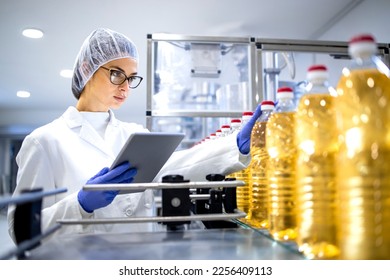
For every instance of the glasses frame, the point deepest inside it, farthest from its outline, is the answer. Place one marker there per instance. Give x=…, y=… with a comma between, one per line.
x=126, y=77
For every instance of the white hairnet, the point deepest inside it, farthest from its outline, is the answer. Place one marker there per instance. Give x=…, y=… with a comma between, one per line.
x=101, y=46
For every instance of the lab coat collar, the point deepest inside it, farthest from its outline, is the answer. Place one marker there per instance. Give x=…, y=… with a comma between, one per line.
x=74, y=119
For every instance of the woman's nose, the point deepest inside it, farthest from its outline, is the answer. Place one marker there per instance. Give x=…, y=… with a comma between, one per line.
x=124, y=87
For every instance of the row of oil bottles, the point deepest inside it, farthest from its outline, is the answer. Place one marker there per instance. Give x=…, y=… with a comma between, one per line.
x=320, y=169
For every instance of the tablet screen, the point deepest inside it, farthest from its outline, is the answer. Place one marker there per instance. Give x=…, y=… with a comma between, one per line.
x=148, y=152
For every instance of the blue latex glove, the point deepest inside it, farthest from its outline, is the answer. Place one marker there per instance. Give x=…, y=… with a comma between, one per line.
x=244, y=136
x=92, y=200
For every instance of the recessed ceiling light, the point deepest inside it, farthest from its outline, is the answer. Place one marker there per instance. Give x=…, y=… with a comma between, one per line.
x=32, y=33
x=66, y=73
x=23, y=94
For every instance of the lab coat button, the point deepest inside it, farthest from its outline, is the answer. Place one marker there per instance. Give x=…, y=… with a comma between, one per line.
x=128, y=212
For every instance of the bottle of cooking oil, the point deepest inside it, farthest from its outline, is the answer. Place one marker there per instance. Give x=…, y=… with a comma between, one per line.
x=281, y=150
x=316, y=142
x=363, y=160
x=258, y=212
x=244, y=193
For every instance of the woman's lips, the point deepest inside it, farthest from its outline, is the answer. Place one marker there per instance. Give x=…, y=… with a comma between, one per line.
x=120, y=98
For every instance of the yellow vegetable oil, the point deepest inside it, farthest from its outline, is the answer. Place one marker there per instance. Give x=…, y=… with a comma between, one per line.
x=316, y=142
x=258, y=212
x=280, y=146
x=363, y=161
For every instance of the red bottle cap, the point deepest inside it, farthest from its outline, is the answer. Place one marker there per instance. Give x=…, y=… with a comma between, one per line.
x=285, y=89
x=268, y=102
x=317, y=67
x=362, y=38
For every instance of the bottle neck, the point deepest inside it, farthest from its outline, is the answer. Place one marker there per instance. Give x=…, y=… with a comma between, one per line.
x=317, y=86
x=234, y=128
x=245, y=120
x=265, y=114
x=364, y=62
x=285, y=105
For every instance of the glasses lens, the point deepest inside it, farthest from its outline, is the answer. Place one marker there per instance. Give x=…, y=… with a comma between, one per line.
x=117, y=77
x=134, y=81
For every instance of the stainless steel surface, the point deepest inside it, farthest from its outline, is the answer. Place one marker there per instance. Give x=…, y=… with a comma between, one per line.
x=213, y=244
x=315, y=46
x=28, y=244
x=203, y=217
x=156, y=186
x=199, y=39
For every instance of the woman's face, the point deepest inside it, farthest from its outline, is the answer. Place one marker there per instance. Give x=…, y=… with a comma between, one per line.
x=100, y=94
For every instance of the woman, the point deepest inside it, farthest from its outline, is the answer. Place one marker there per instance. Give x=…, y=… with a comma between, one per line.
x=70, y=151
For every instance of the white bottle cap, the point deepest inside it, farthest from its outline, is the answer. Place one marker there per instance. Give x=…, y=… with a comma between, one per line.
x=285, y=93
x=267, y=105
x=246, y=115
x=235, y=123
x=317, y=73
x=225, y=128
x=363, y=46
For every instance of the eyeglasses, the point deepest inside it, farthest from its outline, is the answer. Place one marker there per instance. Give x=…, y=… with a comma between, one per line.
x=117, y=77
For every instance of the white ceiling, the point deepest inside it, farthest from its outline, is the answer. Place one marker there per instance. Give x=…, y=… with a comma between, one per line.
x=34, y=65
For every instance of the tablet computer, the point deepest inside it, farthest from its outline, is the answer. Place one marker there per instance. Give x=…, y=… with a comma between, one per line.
x=148, y=152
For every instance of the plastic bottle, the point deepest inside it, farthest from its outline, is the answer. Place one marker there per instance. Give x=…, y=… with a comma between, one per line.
x=281, y=149
x=244, y=193
x=258, y=212
x=363, y=160
x=225, y=129
x=235, y=125
x=316, y=142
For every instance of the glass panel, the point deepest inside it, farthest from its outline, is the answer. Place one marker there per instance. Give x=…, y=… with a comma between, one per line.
x=201, y=77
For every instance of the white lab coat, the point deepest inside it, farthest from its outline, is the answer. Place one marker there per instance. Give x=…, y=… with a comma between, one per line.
x=68, y=151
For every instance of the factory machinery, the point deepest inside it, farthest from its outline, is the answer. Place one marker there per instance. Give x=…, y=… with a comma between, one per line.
x=198, y=220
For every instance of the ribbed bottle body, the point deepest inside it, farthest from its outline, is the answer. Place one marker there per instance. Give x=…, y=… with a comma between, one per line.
x=280, y=146
x=316, y=142
x=258, y=214
x=363, y=164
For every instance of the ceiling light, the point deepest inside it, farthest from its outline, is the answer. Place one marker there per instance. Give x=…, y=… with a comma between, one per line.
x=23, y=94
x=32, y=33
x=66, y=73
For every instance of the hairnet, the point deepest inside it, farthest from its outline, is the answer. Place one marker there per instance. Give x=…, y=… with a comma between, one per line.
x=101, y=46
